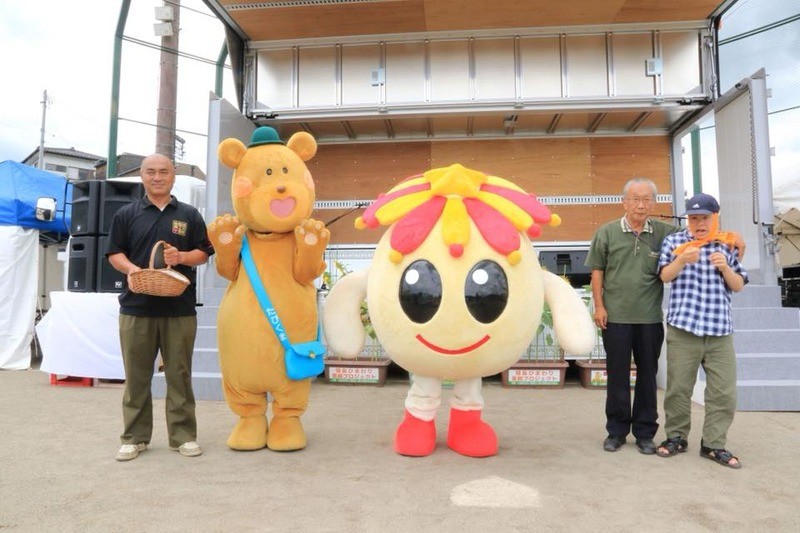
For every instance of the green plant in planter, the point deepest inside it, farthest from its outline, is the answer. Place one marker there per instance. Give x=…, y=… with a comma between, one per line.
x=544, y=346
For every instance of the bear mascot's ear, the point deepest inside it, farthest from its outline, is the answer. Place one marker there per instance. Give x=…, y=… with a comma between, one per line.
x=303, y=144
x=230, y=152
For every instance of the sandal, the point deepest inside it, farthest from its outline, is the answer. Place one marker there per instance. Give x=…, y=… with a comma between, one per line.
x=721, y=456
x=672, y=446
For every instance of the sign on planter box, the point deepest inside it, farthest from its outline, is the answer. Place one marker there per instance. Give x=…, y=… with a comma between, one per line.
x=599, y=378
x=350, y=374
x=530, y=377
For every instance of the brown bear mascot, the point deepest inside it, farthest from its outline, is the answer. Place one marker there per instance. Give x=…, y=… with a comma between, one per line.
x=273, y=197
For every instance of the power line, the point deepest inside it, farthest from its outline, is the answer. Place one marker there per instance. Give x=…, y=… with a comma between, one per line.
x=712, y=126
x=157, y=126
x=190, y=9
x=760, y=29
x=171, y=51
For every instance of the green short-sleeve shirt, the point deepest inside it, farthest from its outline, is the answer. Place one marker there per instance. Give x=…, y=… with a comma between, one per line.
x=632, y=290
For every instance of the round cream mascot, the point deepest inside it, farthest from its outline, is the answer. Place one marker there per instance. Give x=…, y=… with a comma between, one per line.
x=455, y=291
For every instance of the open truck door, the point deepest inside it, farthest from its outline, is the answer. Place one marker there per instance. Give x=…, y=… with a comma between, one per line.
x=744, y=172
x=224, y=121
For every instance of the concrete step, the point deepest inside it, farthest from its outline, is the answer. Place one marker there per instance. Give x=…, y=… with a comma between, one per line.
x=767, y=366
x=757, y=296
x=207, y=315
x=213, y=295
x=768, y=395
x=206, y=337
x=205, y=360
x=765, y=318
x=206, y=386
x=766, y=340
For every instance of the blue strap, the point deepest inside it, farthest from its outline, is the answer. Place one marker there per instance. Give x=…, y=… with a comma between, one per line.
x=263, y=297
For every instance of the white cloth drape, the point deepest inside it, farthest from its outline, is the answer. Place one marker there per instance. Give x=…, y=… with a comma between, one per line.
x=19, y=268
x=79, y=335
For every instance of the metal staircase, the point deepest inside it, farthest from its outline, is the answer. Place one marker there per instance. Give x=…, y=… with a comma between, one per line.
x=767, y=341
x=206, y=376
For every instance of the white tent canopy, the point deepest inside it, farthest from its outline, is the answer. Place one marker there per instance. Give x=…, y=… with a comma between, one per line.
x=786, y=200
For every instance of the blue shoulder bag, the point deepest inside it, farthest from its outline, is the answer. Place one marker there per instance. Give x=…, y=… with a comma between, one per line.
x=303, y=360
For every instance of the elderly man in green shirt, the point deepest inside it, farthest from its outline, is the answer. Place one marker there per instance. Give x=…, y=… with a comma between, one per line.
x=627, y=295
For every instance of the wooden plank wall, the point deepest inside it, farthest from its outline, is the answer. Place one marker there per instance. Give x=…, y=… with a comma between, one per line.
x=546, y=167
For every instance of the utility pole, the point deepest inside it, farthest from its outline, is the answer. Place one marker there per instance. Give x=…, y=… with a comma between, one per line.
x=168, y=88
x=41, y=138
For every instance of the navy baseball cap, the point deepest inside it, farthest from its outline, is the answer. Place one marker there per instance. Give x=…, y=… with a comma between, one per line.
x=702, y=204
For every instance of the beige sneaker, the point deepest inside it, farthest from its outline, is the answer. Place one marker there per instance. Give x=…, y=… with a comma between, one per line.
x=188, y=449
x=130, y=451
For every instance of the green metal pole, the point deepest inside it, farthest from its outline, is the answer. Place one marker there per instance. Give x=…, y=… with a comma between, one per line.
x=223, y=54
x=697, y=171
x=111, y=165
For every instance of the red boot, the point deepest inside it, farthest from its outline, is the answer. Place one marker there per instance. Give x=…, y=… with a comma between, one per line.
x=415, y=437
x=469, y=435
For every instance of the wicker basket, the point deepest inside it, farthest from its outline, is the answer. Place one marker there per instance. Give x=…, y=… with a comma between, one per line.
x=158, y=281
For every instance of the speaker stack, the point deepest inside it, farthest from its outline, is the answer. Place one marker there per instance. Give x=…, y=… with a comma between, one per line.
x=94, y=204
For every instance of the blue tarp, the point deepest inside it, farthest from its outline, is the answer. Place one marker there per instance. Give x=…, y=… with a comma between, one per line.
x=21, y=186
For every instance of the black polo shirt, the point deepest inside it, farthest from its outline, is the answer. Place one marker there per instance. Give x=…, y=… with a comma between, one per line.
x=136, y=228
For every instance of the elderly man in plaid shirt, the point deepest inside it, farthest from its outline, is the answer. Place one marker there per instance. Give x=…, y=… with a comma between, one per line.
x=704, y=272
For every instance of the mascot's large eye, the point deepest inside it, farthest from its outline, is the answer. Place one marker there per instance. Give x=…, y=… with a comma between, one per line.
x=486, y=291
x=420, y=291
x=269, y=172
x=285, y=170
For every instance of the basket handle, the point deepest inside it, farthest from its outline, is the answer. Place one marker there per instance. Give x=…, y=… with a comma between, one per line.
x=158, y=248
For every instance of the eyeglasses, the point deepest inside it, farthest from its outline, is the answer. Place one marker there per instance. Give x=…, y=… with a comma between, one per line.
x=646, y=200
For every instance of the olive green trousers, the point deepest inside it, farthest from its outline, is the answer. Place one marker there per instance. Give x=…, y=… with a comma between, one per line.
x=141, y=338
x=685, y=354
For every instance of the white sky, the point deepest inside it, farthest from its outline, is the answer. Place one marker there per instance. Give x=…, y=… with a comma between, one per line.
x=66, y=47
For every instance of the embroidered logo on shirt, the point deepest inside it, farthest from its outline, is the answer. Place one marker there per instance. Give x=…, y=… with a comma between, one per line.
x=179, y=227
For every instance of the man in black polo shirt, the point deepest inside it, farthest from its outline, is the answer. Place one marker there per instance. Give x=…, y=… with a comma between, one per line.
x=148, y=324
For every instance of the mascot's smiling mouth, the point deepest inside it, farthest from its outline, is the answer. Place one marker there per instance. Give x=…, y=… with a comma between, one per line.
x=282, y=208
x=458, y=351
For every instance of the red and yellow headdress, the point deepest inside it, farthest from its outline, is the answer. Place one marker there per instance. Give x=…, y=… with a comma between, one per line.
x=456, y=194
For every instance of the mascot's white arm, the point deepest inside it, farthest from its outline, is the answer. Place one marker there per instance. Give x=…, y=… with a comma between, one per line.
x=341, y=316
x=572, y=323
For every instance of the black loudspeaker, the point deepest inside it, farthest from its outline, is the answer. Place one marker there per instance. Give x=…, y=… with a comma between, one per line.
x=113, y=196
x=109, y=279
x=85, y=207
x=569, y=264
x=82, y=264
x=562, y=263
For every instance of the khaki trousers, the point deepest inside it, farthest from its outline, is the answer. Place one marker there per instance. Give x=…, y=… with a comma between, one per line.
x=141, y=338
x=685, y=354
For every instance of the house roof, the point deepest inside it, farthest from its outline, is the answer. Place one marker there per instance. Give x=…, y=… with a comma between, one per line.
x=66, y=152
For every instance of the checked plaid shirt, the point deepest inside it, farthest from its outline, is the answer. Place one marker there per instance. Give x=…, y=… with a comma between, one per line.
x=699, y=300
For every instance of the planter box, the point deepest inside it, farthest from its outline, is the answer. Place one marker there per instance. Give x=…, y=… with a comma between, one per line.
x=593, y=373
x=356, y=371
x=540, y=374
